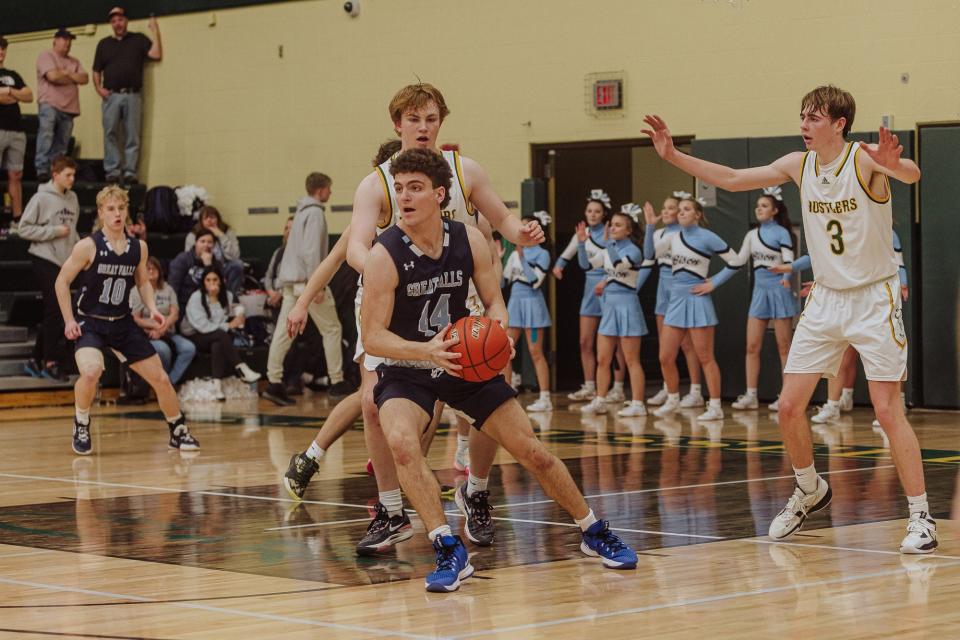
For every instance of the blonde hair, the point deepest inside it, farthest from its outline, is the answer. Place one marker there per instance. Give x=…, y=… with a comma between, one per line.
x=416, y=96
x=112, y=192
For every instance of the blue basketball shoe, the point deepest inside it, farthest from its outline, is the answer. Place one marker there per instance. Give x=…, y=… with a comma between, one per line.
x=599, y=541
x=453, y=565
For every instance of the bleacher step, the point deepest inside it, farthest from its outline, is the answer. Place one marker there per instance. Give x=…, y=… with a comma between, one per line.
x=13, y=366
x=12, y=334
x=26, y=383
x=22, y=349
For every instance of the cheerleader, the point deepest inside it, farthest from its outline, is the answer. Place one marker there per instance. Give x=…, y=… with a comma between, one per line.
x=525, y=271
x=621, y=322
x=691, y=309
x=668, y=214
x=595, y=215
x=769, y=245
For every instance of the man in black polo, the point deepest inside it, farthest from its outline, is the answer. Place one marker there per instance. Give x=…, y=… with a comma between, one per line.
x=118, y=78
x=13, y=141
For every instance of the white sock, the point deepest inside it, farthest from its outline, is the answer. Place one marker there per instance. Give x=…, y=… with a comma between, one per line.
x=918, y=504
x=475, y=484
x=590, y=385
x=752, y=392
x=695, y=390
x=715, y=402
x=442, y=530
x=846, y=393
x=618, y=386
x=806, y=479
x=315, y=452
x=83, y=415
x=673, y=397
x=833, y=403
x=545, y=395
x=587, y=521
x=665, y=387
x=463, y=442
x=636, y=403
x=392, y=501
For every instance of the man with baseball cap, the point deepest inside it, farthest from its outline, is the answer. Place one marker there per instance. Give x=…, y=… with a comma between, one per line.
x=58, y=77
x=118, y=78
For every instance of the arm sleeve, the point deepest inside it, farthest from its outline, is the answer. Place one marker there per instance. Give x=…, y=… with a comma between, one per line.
x=230, y=245
x=30, y=227
x=269, y=277
x=743, y=256
x=310, y=246
x=648, y=246
x=645, y=270
x=45, y=63
x=582, y=258
x=535, y=267
x=801, y=264
x=98, y=58
x=728, y=255
x=568, y=254
x=614, y=254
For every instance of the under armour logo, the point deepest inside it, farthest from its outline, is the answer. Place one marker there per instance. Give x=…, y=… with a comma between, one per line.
x=408, y=265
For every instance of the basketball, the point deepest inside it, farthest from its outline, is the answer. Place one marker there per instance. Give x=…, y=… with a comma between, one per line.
x=483, y=347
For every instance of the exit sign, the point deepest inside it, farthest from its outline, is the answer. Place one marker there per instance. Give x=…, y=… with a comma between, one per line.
x=607, y=95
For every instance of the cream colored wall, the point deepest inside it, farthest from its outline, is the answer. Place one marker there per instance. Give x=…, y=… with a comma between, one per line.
x=225, y=111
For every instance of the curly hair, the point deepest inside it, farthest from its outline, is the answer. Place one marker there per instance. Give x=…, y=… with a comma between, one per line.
x=429, y=163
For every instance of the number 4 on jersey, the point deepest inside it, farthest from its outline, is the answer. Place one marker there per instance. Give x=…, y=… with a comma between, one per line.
x=438, y=319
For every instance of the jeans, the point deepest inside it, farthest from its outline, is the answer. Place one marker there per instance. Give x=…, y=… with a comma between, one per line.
x=122, y=108
x=175, y=366
x=53, y=136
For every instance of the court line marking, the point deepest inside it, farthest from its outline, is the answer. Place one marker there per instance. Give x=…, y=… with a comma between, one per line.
x=318, y=524
x=204, y=492
x=688, y=602
x=223, y=610
x=4, y=556
x=692, y=486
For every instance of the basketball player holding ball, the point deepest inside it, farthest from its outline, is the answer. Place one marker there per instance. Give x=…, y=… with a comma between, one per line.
x=426, y=262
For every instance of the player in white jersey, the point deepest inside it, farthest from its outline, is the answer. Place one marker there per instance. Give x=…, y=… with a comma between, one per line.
x=417, y=112
x=845, y=198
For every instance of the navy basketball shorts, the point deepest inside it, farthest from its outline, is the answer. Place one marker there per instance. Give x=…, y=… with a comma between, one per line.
x=123, y=337
x=425, y=386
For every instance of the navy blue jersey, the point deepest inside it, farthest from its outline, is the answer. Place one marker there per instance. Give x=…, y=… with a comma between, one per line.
x=109, y=280
x=431, y=293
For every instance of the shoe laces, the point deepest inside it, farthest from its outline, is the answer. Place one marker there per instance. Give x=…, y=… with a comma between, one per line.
x=608, y=540
x=380, y=520
x=446, y=556
x=794, y=504
x=304, y=466
x=82, y=432
x=480, y=507
x=920, y=523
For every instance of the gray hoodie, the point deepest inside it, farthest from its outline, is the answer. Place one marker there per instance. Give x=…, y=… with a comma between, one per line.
x=47, y=210
x=307, y=244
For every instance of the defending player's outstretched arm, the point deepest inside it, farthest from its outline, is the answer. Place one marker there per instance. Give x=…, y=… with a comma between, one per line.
x=486, y=278
x=379, y=288
x=492, y=208
x=781, y=170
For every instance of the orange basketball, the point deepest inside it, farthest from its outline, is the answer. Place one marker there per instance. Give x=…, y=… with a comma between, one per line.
x=483, y=347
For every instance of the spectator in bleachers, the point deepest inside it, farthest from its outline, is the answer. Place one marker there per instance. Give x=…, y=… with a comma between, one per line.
x=13, y=141
x=137, y=226
x=306, y=249
x=186, y=270
x=118, y=79
x=226, y=248
x=270, y=285
x=50, y=224
x=211, y=314
x=58, y=98
x=176, y=352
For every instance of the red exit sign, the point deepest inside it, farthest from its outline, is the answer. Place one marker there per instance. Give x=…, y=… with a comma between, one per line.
x=607, y=94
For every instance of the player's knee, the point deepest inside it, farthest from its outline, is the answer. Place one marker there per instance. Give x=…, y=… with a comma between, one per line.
x=89, y=364
x=404, y=447
x=537, y=458
x=371, y=415
x=753, y=348
x=586, y=343
x=790, y=409
x=889, y=413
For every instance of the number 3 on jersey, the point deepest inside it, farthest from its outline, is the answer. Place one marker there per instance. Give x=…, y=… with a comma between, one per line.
x=835, y=229
x=438, y=319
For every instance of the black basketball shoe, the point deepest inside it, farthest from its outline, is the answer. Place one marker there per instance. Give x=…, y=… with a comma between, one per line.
x=476, y=509
x=384, y=531
x=298, y=475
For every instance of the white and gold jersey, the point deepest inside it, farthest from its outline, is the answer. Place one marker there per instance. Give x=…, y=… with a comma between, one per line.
x=459, y=207
x=848, y=228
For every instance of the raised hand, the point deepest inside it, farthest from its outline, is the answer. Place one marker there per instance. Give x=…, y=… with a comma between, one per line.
x=659, y=134
x=885, y=153
x=650, y=214
x=582, y=231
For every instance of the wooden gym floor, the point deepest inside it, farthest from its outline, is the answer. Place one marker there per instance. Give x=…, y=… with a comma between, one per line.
x=138, y=542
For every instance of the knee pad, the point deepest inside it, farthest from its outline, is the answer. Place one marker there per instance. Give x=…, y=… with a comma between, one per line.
x=89, y=361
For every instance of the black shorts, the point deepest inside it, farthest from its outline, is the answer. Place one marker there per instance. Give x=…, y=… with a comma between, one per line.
x=422, y=387
x=127, y=341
